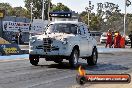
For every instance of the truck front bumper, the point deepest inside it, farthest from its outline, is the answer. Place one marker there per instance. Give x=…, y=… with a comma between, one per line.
x=51, y=57
x=41, y=52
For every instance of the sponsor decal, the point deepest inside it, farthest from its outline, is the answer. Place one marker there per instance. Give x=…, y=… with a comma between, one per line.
x=35, y=27
x=82, y=77
x=16, y=26
x=10, y=49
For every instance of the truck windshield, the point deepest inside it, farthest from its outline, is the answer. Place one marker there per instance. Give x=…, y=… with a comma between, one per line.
x=62, y=28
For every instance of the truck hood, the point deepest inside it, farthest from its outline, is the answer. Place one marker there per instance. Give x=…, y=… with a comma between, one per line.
x=55, y=36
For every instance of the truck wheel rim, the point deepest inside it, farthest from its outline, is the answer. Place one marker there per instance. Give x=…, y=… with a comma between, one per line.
x=75, y=57
x=94, y=57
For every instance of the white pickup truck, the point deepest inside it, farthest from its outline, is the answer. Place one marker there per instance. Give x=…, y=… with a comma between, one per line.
x=64, y=40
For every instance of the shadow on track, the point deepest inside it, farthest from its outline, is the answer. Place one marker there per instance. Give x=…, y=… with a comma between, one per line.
x=98, y=67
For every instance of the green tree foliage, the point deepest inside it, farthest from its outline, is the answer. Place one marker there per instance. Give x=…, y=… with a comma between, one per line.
x=14, y=11
x=37, y=7
x=94, y=20
x=60, y=7
x=130, y=26
x=107, y=17
x=7, y=7
x=20, y=12
x=110, y=14
x=95, y=23
x=83, y=17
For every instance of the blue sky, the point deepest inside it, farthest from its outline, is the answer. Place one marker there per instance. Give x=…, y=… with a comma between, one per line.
x=76, y=5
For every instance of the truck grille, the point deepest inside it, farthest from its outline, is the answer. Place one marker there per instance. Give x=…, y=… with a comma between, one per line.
x=47, y=44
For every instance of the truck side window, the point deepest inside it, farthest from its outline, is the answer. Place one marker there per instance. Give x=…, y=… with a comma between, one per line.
x=81, y=30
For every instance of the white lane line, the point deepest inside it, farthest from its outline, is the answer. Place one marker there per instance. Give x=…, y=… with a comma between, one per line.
x=13, y=60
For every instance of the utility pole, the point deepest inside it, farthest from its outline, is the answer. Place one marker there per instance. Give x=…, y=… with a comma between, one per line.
x=88, y=10
x=49, y=10
x=43, y=9
x=30, y=27
x=127, y=3
x=125, y=19
x=31, y=5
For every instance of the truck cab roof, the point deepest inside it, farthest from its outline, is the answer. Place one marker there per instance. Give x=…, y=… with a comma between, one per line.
x=70, y=22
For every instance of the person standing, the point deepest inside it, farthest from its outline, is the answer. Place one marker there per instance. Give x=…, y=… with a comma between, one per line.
x=130, y=36
x=20, y=36
x=117, y=40
x=14, y=40
x=17, y=38
x=109, y=39
x=112, y=45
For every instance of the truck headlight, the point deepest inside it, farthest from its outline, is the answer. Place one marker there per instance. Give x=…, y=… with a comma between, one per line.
x=64, y=41
x=32, y=40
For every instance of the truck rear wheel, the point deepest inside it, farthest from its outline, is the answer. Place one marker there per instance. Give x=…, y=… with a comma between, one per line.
x=34, y=59
x=92, y=60
x=73, y=61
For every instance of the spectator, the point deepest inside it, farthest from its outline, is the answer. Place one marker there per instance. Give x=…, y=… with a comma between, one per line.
x=109, y=39
x=19, y=34
x=117, y=39
x=14, y=40
x=17, y=37
x=112, y=45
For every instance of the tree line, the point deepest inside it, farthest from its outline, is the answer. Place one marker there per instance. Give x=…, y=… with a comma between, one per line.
x=36, y=9
x=108, y=15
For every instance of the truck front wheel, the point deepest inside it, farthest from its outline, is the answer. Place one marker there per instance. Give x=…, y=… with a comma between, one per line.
x=34, y=59
x=92, y=60
x=73, y=61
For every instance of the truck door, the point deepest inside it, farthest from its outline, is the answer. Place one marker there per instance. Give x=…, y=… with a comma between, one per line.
x=89, y=40
x=83, y=41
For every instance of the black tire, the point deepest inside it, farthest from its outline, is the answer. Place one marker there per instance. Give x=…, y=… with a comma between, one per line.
x=59, y=61
x=34, y=59
x=92, y=60
x=74, y=57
